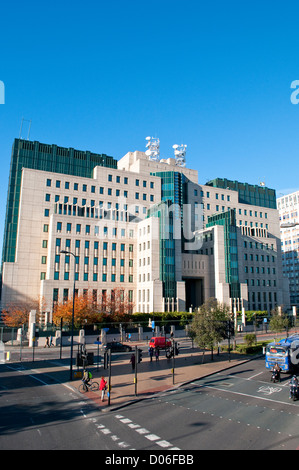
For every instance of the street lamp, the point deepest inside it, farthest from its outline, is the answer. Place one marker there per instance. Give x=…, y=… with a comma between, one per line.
x=73, y=314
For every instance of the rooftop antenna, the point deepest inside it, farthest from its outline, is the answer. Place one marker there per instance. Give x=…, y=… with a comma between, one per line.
x=153, y=148
x=180, y=154
x=20, y=136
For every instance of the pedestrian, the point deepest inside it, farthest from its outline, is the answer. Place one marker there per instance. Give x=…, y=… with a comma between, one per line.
x=157, y=352
x=103, y=387
x=51, y=341
x=150, y=352
x=47, y=342
x=132, y=360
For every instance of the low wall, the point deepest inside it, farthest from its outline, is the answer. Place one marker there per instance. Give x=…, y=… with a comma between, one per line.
x=105, y=337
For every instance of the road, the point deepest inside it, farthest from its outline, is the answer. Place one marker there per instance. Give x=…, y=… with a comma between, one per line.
x=235, y=409
x=239, y=409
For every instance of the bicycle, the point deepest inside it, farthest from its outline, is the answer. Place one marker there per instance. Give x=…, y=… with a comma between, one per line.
x=90, y=387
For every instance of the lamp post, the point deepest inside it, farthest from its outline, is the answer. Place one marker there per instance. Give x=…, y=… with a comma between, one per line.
x=73, y=314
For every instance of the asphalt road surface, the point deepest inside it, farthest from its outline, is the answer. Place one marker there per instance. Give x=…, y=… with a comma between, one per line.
x=238, y=409
x=235, y=409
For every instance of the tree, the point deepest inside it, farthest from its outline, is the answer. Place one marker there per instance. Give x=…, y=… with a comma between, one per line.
x=209, y=324
x=114, y=308
x=279, y=321
x=119, y=306
x=16, y=315
x=85, y=312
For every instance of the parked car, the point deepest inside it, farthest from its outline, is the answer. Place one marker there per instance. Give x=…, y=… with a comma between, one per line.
x=115, y=346
x=159, y=342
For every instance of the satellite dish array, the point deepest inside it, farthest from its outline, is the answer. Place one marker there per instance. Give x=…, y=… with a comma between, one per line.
x=153, y=151
x=180, y=154
x=153, y=146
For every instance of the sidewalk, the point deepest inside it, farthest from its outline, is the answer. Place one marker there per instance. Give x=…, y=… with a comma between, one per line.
x=156, y=376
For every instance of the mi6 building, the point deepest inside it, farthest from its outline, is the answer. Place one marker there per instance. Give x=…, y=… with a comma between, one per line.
x=142, y=225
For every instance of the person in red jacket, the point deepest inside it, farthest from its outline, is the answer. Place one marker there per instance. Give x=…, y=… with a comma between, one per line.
x=103, y=387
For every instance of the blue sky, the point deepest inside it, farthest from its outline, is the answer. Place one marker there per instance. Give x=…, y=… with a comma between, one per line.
x=102, y=76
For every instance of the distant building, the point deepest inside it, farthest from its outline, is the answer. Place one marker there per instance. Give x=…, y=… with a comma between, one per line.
x=288, y=207
x=141, y=225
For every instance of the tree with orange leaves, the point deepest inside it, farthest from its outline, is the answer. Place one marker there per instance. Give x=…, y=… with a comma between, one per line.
x=16, y=315
x=119, y=306
x=85, y=312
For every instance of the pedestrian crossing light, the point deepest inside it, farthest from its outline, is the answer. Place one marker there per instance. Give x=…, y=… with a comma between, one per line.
x=105, y=360
x=139, y=355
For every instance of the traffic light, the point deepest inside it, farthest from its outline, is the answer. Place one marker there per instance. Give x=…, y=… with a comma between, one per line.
x=139, y=355
x=106, y=360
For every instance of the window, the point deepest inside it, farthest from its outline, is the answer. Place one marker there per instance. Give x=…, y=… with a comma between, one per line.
x=58, y=184
x=42, y=276
x=67, y=185
x=47, y=212
x=59, y=226
x=49, y=182
x=76, y=186
x=48, y=197
x=45, y=244
x=110, y=178
x=44, y=260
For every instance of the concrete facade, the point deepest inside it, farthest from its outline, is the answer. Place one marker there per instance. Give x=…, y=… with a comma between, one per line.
x=104, y=221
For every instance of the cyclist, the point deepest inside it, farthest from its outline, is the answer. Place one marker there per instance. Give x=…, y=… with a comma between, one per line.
x=87, y=376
